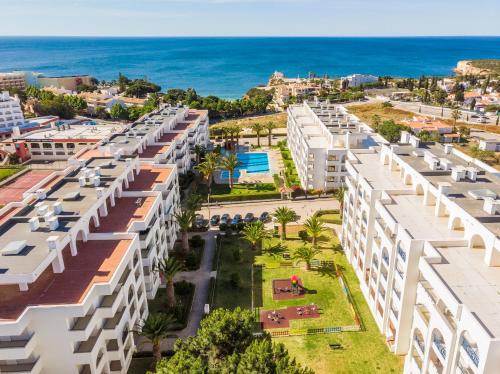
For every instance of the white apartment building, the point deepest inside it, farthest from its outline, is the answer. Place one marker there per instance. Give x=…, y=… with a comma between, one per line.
x=15, y=79
x=421, y=228
x=76, y=260
x=319, y=135
x=357, y=80
x=10, y=111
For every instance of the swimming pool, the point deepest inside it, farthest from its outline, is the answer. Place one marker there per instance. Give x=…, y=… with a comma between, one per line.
x=251, y=162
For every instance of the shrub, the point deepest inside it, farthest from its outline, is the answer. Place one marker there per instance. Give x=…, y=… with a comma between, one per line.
x=191, y=260
x=303, y=235
x=197, y=241
x=223, y=227
x=234, y=280
x=237, y=254
x=183, y=288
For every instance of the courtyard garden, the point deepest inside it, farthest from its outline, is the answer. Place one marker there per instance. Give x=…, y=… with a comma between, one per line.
x=328, y=309
x=240, y=192
x=6, y=172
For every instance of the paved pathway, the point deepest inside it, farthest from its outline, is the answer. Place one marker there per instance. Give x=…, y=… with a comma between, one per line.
x=201, y=279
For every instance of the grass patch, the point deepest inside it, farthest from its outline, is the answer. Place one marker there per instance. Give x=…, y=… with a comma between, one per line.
x=240, y=192
x=8, y=172
x=279, y=119
x=184, y=292
x=364, y=351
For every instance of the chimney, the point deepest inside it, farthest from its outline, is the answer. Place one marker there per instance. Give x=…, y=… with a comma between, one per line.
x=444, y=188
x=448, y=148
x=16, y=132
x=41, y=209
x=100, y=192
x=116, y=156
x=472, y=174
x=34, y=223
x=41, y=194
x=97, y=181
x=53, y=223
x=97, y=170
x=82, y=181
x=57, y=207
x=491, y=206
x=52, y=242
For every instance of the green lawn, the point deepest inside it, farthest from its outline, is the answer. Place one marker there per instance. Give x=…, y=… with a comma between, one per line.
x=7, y=172
x=222, y=192
x=291, y=176
x=331, y=218
x=364, y=351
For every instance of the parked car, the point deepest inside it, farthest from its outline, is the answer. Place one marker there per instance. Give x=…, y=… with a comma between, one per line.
x=482, y=119
x=236, y=219
x=264, y=217
x=225, y=219
x=199, y=221
x=249, y=217
x=214, y=221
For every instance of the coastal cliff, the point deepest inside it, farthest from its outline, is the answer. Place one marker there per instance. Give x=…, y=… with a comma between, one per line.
x=478, y=67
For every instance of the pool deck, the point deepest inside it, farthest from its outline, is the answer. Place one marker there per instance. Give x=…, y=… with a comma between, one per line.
x=274, y=159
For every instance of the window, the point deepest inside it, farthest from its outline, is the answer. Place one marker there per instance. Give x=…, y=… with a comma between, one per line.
x=35, y=145
x=70, y=145
x=59, y=145
x=47, y=145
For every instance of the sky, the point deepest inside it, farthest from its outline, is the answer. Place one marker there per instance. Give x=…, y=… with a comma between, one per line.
x=250, y=17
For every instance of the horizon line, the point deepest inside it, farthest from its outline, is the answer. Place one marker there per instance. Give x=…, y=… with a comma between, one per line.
x=250, y=36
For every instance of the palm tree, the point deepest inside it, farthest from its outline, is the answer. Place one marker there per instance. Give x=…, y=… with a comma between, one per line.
x=184, y=218
x=314, y=228
x=208, y=167
x=199, y=151
x=168, y=268
x=257, y=128
x=339, y=195
x=237, y=132
x=306, y=254
x=269, y=126
x=284, y=215
x=230, y=163
x=255, y=232
x=155, y=328
x=456, y=114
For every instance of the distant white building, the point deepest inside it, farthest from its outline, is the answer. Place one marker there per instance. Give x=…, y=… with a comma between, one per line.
x=356, y=80
x=319, y=136
x=10, y=111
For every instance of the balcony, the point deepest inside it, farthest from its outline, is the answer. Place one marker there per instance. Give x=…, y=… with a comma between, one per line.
x=439, y=345
x=88, y=345
x=17, y=349
x=402, y=253
x=471, y=352
x=111, y=323
x=22, y=368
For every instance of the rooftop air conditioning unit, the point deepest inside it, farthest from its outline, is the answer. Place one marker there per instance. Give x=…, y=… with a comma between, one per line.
x=13, y=248
x=57, y=207
x=34, y=223
x=41, y=194
x=82, y=181
x=53, y=223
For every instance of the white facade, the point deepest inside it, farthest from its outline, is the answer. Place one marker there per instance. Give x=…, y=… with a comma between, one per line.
x=10, y=111
x=77, y=260
x=319, y=135
x=356, y=80
x=87, y=277
x=421, y=228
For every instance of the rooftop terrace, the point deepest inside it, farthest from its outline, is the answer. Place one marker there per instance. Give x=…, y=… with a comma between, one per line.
x=473, y=283
x=96, y=262
x=148, y=177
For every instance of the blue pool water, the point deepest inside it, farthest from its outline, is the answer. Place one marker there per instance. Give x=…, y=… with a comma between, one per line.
x=251, y=162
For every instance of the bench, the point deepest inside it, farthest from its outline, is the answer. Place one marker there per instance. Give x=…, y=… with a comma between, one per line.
x=335, y=346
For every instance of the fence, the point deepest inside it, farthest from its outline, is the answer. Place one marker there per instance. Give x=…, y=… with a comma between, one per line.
x=314, y=331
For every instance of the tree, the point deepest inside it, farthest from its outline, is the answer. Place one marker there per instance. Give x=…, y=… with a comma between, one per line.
x=440, y=97
x=390, y=130
x=257, y=128
x=155, y=328
x=464, y=132
x=339, y=195
x=168, y=268
x=269, y=126
x=199, y=151
x=123, y=81
x=262, y=356
x=184, y=218
x=54, y=105
x=376, y=121
x=314, y=228
x=118, y=112
x=255, y=232
x=224, y=340
x=283, y=216
x=208, y=167
x=230, y=163
x=100, y=112
x=456, y=114
x=472, y=105
x=306, y=253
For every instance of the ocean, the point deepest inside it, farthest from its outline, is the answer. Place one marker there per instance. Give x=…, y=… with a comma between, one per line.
x=228, y=67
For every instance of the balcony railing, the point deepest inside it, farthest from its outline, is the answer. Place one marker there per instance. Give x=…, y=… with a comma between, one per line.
x=420, y=343
x=402, y=253
x=471, y=352
x=439, y=344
